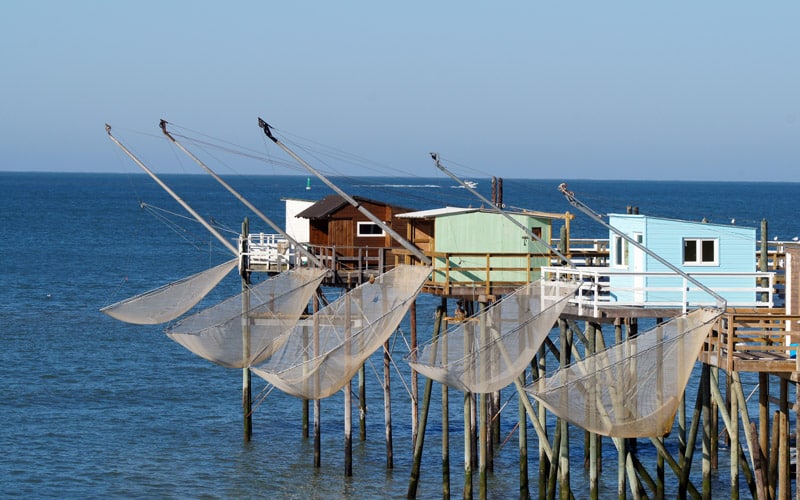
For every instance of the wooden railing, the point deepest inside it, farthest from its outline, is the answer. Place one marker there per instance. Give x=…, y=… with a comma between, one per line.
x=753, y=340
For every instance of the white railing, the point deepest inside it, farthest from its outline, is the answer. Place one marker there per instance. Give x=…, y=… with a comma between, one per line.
x=270, y=250
x=598, y=291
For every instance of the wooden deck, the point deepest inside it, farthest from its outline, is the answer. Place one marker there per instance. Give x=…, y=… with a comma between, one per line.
x=754, y=340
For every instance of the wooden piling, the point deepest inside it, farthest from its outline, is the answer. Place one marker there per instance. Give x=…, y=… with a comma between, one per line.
x=416, y=461
x=348, y=397
x=317, y=403
x=412, y=318
x=563, y=458
x=387, y=405
x=524, y=490
x=467, y=446
x=247, y=396
x=362, y=404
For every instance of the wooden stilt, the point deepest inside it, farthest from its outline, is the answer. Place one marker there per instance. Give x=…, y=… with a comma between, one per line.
x=467, y=445
x=594, y=452
x=362, y=404
x=348, y=396
x=563, y=458
x=483, y=445
x=524, y=490
x=714, y=422
x=733, y=432
x=784, y=481
x=416, y=461
x=317, y=404
x=763, y=422
x=387, y=405
x=771, y=467
x=348, y=430
x=412, y=318
x=445, y=442
x=445, y=423
x=483, y=423
x=247, y=396
x=538, y=369
x=305, y=405
x=705, y=389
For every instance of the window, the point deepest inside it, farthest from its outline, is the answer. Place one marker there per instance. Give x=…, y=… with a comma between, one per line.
x=620, y=251
x=369, y=229
x=700, y=252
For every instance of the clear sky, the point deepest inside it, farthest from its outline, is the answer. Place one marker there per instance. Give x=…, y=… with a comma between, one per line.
x=621, y=90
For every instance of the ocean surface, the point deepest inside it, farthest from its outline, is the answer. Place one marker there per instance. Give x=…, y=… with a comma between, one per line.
x=91, y=407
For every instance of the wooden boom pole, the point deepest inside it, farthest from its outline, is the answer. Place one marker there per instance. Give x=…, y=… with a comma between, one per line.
x=391, y=232
x=313, y=258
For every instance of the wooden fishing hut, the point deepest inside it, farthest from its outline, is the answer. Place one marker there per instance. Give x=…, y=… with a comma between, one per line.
x=351, y=245
x=477, y=251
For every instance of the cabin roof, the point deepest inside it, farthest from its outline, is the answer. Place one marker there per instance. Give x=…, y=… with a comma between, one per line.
x=438, y=212
x=435, y=212
x=683, y=221
x=331, y=204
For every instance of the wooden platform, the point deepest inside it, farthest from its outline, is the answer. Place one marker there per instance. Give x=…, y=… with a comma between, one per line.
x=754, y=340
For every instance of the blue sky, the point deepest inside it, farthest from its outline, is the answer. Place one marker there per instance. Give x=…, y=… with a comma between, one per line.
x=625, y=90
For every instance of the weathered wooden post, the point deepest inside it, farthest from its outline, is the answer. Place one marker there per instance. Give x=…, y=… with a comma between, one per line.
x=416, y=461
x=362, y=404
x=317, y=403
x=348, y=402
x=247, y=398
x=524, y=490
x=387, y=405
x=563, y=457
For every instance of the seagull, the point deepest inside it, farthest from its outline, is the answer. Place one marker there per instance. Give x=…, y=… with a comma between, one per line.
x=733, y=221
x=795, y=238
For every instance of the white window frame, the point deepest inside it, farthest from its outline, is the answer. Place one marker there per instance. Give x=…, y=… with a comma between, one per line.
x=360, y=234
x=699, y=261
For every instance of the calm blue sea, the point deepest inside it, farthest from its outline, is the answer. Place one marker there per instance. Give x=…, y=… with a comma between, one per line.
x=91, y=407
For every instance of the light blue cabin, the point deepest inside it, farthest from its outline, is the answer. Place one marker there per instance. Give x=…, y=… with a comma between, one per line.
x=711, y=253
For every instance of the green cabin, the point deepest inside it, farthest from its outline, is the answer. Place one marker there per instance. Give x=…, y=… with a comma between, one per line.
x=480, y=247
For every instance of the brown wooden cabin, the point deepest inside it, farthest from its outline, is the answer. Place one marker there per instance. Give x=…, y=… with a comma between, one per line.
x=347, y=240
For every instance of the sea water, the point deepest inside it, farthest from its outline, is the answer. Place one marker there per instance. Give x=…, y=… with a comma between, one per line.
x=92, y=407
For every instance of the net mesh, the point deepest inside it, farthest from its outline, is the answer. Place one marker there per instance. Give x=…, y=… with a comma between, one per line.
x=631, y=389
x=169, y=301
x=323, y=352
x=247, y=328
x=485, y=353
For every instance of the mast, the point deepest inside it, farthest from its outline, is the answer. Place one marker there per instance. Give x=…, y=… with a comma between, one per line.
x=405, y=243
x=495, y=208
x=298, y=246
x=722, y=303
x=177, y=198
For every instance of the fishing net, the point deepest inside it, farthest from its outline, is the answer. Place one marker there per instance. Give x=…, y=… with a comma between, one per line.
x=323, y=352
x=247, y=328
x=169, y=301
x=486, y=352
x=631, y=389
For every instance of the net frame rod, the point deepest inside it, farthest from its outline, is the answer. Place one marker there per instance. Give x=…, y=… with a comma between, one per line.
x=391, y=232
x=177, y=198
x=497, y=209
x=163, y=125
